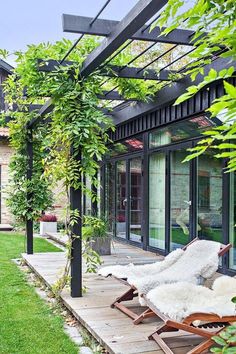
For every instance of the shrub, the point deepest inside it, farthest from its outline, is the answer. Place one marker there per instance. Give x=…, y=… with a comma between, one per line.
x=94, y=227
x=48, y=218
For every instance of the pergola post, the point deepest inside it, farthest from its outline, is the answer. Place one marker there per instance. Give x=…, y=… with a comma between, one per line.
x=76, y=235
x=94, y=202
x=29, y=222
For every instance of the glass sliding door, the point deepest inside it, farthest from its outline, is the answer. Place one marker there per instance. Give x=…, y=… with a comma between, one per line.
x=129, y=199
x=121, y=199
x=179, y=199
x=209, y=205
x=135, y=199
x=157, y=180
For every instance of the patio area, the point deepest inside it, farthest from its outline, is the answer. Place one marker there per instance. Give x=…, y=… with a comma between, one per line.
x=113, y=330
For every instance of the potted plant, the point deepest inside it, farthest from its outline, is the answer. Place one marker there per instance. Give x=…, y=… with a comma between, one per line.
x=95, y=231
x=48, y=223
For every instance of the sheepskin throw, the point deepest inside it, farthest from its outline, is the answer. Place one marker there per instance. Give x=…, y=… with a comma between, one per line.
x=199, y=262
x=182, y=299
x=136, y=271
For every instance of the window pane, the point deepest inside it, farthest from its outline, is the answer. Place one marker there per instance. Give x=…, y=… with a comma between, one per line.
x=135, y=199
x=157, y=166
x=190, y=128
x=232, y=222
x=121, y=199
x=209, y=221
x=179, y=200
x=132, y=144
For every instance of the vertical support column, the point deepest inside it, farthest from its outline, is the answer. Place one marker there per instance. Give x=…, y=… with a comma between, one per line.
x=29, y=222
x=94, y=203
x=84, y=195
x=76, y=249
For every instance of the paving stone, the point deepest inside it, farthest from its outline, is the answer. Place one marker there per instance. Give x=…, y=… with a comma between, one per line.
x=85, y=350
x=74, y=334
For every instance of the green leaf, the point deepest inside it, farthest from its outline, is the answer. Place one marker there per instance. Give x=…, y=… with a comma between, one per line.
x=216, y=350
x=229, y=350
x=234, y=301
x=230, y=89
x=219, y=340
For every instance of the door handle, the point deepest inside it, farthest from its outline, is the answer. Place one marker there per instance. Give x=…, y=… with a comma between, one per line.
x=124, y=202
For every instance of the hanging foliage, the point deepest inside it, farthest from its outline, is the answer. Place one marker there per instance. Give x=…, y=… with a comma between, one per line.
x=214, y=23
x=77, y=120
x=38, y=187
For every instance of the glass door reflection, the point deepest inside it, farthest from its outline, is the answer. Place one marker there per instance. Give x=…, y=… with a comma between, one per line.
x=209, y=208
x=179, y=200
x=121, y=199
x=157, y=195
x=135, y=199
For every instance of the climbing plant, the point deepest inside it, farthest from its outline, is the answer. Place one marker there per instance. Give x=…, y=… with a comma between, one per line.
x=77, y=120
x=214, y=23
x=38, y=188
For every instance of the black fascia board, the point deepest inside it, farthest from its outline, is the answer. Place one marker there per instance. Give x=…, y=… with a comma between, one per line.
x=168, y=94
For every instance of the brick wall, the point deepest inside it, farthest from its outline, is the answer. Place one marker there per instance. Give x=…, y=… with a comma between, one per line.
x=6, y=217
x=5, y=155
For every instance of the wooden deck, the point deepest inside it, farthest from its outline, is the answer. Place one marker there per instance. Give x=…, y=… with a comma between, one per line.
x=111, y=328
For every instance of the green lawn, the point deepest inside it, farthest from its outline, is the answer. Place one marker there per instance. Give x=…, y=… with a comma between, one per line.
x=27, y=324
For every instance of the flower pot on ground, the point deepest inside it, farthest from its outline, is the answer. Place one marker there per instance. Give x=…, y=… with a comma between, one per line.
x=48, y=224
x=95, y=231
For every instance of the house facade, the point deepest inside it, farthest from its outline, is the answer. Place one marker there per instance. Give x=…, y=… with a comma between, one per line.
x=155, y=201
x=150, y=197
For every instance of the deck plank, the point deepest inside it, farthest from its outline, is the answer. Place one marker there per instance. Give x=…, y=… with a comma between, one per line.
x=110, y=327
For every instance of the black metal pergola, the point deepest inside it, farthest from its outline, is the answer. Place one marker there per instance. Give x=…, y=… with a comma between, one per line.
x=135, y=26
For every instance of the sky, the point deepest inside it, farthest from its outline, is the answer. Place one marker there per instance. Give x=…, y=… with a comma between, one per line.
x=26, y=22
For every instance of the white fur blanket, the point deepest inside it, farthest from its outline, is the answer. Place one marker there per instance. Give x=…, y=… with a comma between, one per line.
x=133, y=271
x=200, y=260
x=180, y=300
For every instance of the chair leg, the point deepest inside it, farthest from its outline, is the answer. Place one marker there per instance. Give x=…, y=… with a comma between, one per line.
x=157, y=338
x=161, y=329
x=206, y=344
x=201, y=347
x=146, y=314
x=128, y=295
x=125, y=310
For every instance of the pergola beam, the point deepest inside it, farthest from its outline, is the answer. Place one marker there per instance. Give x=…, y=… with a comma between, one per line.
x=102, y=27
x=137, y=73
x=168, y=94
x=114, y=71
x=124, y=29
x=131, y=23
x=114, y=96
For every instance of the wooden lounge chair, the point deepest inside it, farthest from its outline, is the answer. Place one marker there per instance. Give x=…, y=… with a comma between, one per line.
x=215, y=324
x=132, y=292
x=203, y=324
